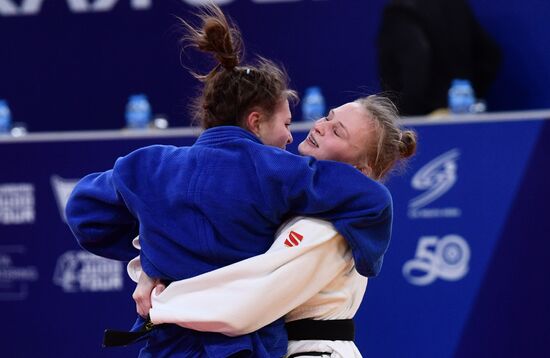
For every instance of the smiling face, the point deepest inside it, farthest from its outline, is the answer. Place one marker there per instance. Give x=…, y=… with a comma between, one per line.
x=344, y=135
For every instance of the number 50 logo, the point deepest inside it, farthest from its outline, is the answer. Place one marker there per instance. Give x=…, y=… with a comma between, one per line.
x=446, y=258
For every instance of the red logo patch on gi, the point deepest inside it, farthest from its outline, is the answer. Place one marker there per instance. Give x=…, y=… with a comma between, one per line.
x=294, y=239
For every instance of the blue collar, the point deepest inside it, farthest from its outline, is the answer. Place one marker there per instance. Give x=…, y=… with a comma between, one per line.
x=223, y=134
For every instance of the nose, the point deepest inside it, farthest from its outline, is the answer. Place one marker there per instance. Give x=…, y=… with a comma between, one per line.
x=290, y=139
x=319, y=127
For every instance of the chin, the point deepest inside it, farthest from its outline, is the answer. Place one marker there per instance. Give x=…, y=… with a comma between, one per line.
x=303, y=149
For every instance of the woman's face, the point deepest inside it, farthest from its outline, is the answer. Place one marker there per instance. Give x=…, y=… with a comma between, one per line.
x=274, y=131
x=343, y=135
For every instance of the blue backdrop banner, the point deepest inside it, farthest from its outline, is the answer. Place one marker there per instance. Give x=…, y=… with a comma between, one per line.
x=465, y=275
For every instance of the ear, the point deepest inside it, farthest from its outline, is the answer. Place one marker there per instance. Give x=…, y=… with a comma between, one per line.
x=253, y=121
x=365, y=169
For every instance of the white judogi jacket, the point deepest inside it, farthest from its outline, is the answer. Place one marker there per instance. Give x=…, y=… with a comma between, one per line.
x=307, y=273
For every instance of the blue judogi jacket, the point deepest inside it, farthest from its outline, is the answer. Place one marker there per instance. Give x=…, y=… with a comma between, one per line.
x=215, y=203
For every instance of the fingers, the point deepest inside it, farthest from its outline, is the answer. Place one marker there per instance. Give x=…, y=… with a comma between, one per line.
x=142, y=294
x=143, y=301
x=159, y=288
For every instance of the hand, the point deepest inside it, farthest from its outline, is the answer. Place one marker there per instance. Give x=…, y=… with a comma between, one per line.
x=142, y=294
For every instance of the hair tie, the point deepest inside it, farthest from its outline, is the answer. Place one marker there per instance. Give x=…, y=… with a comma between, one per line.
x=248, y=71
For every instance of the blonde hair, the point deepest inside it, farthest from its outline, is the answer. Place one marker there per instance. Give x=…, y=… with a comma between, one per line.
x=394, y=144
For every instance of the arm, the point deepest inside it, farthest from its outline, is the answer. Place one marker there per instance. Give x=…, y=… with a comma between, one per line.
x=243, y=297
x=100, y=210
x=99, y=218
x=359, y=207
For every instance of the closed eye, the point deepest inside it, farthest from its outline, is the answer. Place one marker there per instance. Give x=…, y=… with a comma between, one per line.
x=330, y=115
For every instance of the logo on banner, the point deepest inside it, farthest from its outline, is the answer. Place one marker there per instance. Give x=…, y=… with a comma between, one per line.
x=80, y=271
x=33, y=7
x=446, y=258
x=15, y=279
x=62, y=189
x=435, y=178
x=17, y=204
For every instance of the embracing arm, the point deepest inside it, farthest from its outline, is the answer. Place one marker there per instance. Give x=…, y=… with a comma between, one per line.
x=359, y=207
x=243, y=297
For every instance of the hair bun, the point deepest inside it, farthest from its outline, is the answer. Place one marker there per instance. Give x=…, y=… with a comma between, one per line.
x=407, y=143
x=216, y=36
x=219, y=41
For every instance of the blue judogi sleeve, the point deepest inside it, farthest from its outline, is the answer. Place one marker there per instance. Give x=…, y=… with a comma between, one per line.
x=359, y=207
x=100, y=219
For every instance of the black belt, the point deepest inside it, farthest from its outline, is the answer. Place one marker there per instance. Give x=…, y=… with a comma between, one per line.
x=329, y=330
x=309, y=354
x=113, y=338
x=303, y=329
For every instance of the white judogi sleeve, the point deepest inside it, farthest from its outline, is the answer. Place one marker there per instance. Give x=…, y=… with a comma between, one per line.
x=307, y=255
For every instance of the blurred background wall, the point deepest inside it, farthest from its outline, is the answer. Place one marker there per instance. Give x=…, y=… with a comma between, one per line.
x=71, y=64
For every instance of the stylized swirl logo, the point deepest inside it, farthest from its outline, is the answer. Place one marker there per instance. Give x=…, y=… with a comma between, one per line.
x=436, y=177
x=447, y=259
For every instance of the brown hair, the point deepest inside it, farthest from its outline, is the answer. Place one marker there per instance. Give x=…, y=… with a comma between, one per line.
x=394, y=144
x=231, y=90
